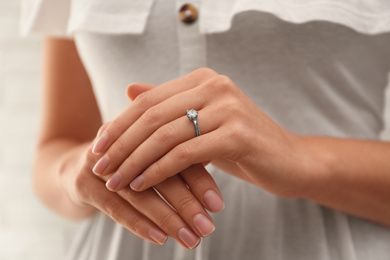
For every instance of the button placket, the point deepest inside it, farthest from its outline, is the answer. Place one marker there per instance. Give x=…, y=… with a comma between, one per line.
x=192, y=44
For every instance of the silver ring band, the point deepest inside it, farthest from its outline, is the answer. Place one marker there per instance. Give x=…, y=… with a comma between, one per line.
x=193, y=115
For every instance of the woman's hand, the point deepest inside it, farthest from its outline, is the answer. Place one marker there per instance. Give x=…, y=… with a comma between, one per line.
x=145, y=213
x=63, y=177
x=154, y=140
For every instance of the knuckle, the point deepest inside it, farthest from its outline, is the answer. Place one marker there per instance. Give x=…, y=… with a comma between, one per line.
x=81, y=192
x=236, y=142
x=240, y=128
x=234, y=107
x=194, y=178
x=205, y=72
x=166, y=132
x=127, y=165
x=134, y=224
x=134, y=198
x=183, y=152
x=119, y=147
x=144, y=100
x=156, y=173
x=220, y=84
x=152, y=115
x=114, y=127
x=185, y=203
x=114, y=210
x=79, y=183
x=166, y=219
x=237, y=130
x=223, y=81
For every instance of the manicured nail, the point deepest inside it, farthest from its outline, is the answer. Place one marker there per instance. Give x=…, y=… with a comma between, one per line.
x=101, y=165
x=113, y=182
x=203, y=224
x=100, y=143
x=213, y=201
x=137, y=183
x=158, y=236
x=188, y=238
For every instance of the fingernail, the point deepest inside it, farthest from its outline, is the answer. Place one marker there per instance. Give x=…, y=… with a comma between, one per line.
x=188, y=238
x=101, y=165
x=203, y=224
x=213, y=201
x=137, y=183
x=100, y=143
x=158, y=236
x=113, y=182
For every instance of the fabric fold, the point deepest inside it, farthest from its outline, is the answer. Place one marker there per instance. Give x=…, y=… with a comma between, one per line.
x=65, y=17
x=370, y=17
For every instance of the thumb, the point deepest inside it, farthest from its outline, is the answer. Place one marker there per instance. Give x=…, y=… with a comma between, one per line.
x=133, y=90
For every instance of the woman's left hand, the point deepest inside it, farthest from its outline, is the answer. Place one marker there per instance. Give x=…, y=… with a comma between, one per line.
x=235, y=136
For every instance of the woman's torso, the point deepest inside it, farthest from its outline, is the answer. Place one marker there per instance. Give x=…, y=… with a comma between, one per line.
x=315, y=78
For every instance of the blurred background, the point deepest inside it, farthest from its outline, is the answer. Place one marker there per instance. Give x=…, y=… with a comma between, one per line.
x=27, y=229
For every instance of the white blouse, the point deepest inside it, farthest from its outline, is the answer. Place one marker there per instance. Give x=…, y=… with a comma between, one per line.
x=316, y=67
x=65, y=17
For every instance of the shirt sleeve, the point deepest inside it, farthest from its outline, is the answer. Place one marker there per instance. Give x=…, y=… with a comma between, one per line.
x=369, y=17
x=65, y=17
x=45, y=17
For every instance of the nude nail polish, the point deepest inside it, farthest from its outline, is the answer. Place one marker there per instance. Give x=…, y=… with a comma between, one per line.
x=101, y=165
x=113, y=182
x=213, y=201
x=158, y=236
x=203, y=224
x=188, y=238
x=137, y=183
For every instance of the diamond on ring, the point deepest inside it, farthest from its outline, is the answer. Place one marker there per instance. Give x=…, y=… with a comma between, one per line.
x=193, y=115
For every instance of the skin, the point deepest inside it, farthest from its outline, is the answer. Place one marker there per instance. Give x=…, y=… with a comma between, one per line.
x=63, y=177
x=349, y=175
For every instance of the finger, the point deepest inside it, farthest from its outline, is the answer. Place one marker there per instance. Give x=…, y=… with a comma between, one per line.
x=155, y=117
x=135, y=89
x=148, y=123
x=91, y=159
x=197, y=150
x=154, y=147
x=97, y=145
x=102, y=128
x=152, y=206
x=151, y=120
x=203, y=186
x=145, y=206
x=123, y=213
x=132, y=91
x=145, y=101
x=177, y=194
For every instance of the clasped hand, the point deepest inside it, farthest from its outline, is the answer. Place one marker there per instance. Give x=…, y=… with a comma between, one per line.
x=152, y=146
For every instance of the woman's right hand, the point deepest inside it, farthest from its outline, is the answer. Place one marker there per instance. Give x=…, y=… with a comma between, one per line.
x=145, y=213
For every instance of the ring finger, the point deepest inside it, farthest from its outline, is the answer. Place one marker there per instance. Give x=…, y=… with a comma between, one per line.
x=159, y=143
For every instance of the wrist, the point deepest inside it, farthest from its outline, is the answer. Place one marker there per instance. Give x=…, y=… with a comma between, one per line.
x=314, y=166
x=71, y=180
x=296, y=171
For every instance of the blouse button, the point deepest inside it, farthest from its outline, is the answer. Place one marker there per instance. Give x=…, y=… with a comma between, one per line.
x=188, y=14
